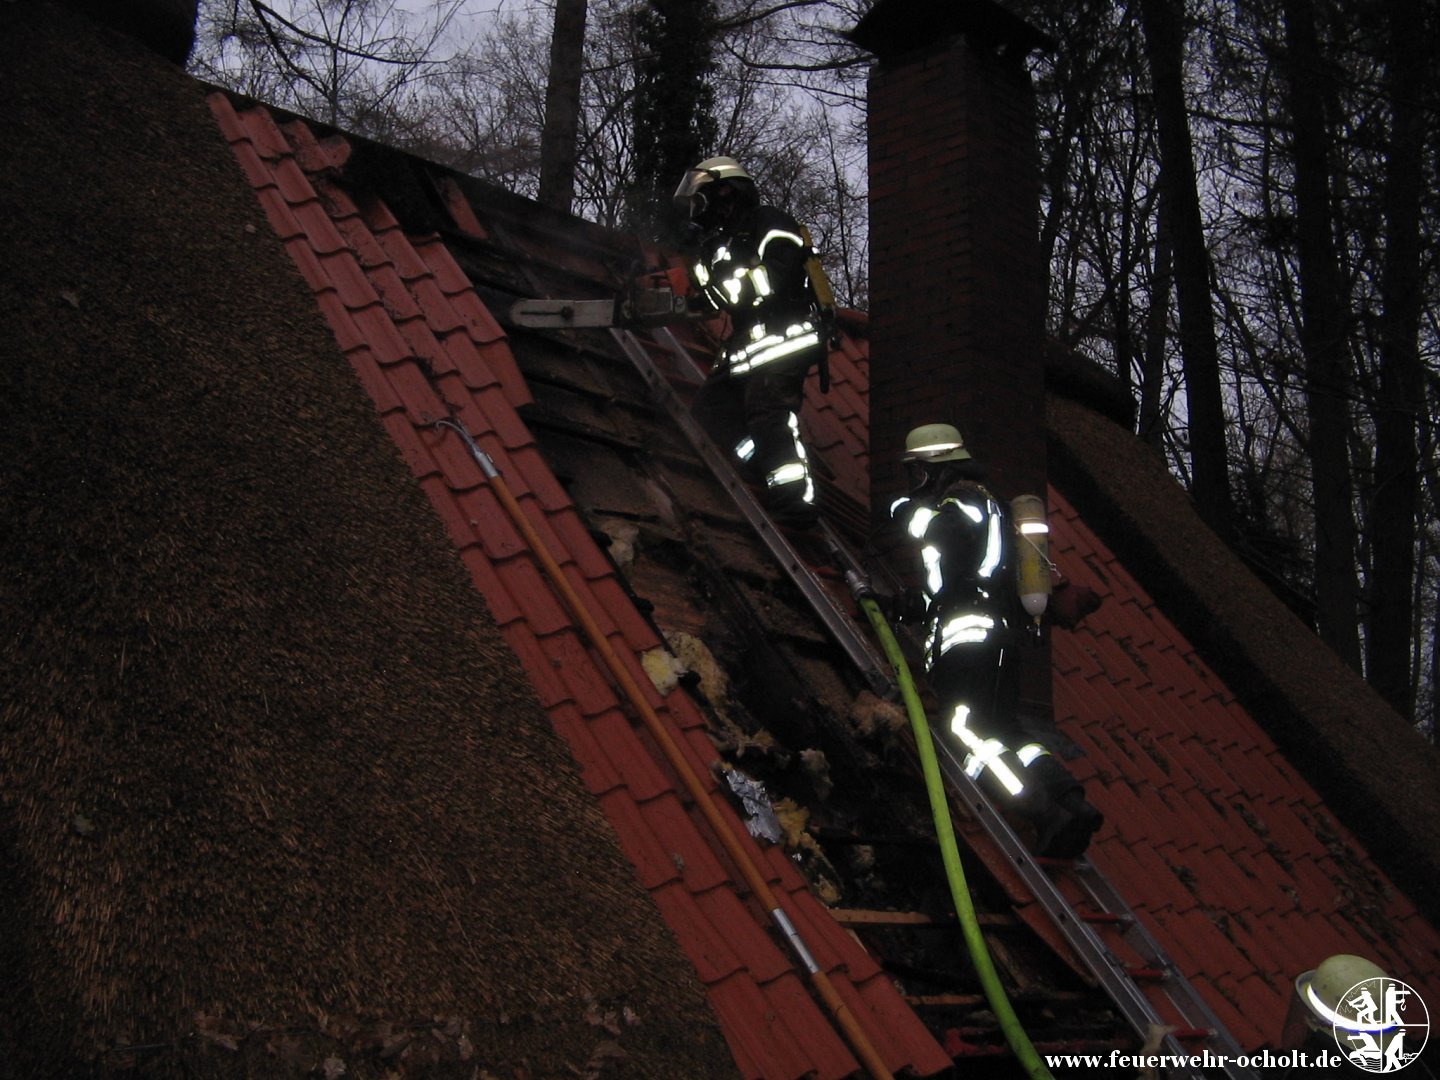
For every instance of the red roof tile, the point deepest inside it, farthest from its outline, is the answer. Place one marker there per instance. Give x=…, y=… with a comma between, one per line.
x=642, y=776
x=1229, y=1004
x=372, y=377
x=395, y=306
x=277, y=212
x=393, y=246
x=835, y=423
x=787, y=996
x=315, y=154
x=595, y=768
x=758, y=1036
x=699, y=867
x=1228, y=809
x=460, y=209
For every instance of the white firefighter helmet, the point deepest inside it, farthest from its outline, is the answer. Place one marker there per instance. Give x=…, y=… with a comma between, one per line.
x=935, y=442
x=725, y=173
x=1323, y=990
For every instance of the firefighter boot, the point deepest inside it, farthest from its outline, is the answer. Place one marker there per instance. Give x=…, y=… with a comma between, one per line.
x=792, y=513
x=1066, y=831
x=1064, y=821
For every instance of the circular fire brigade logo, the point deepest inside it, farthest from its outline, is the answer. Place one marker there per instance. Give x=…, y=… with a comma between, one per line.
x=1381, y=1025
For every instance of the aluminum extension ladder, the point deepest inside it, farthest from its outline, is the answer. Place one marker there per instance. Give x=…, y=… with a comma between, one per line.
x=1107, y=910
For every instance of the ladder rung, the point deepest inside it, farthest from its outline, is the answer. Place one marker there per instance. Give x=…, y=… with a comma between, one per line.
x=946, y=1000
x=864, y=917
x=1107, y=918
x=1148, y=974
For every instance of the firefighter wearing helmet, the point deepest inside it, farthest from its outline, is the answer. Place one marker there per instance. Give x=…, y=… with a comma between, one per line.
x=1345, y=1006
x=971, y=607
x=756, y=264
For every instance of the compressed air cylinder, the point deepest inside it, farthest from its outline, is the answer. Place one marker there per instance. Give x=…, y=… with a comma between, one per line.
x=1032, y=553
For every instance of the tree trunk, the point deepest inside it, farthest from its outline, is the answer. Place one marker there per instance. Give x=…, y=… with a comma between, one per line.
x=1151, y=427
x=562, y=106
x=1401, y=382
x=674, y=106
x=1322, y=337
x=1163, y=24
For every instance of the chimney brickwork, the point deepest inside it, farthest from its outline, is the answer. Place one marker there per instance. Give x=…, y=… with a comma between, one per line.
x=957, y=310
x=957, y=315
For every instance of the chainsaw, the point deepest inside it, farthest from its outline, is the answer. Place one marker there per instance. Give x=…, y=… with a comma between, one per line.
x=659, y=304
x=639, y=306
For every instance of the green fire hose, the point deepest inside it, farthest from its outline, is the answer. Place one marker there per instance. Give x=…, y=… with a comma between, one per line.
x=1015, y=1035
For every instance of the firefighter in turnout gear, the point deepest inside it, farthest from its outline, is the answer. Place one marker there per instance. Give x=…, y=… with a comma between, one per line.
x=755, y=263
x=974, y=624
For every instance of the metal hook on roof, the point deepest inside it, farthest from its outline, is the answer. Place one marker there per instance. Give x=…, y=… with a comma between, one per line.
x=484, y=460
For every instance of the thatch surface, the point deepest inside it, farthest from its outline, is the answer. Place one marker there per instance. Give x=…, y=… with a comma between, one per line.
x=263, y=756
x=1375, y=772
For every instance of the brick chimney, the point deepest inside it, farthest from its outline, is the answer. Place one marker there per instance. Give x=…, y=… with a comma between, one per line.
x=957, y=305
x=957, y=309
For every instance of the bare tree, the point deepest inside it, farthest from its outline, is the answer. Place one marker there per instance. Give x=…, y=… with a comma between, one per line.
x=1390, y=654
x=486, y=119
x=1164, y=26
x=562, y=105
x=1323, y=337
x=1110, y=275
x=353, y=63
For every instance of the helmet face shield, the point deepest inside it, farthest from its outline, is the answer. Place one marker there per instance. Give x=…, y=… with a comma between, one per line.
x=689, y=187
x=713, y=187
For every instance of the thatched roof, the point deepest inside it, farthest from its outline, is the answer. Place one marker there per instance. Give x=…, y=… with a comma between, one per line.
x=268, y=777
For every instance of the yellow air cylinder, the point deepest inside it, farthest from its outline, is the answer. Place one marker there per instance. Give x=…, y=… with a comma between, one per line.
x=1032, y=570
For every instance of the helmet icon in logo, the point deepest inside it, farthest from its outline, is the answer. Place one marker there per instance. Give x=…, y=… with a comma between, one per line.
x=1380, y=1024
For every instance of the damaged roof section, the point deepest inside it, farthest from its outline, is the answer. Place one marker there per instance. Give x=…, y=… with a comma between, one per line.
x=393, y=306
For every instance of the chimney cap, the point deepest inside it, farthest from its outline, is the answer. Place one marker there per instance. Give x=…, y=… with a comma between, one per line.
x=893, y=28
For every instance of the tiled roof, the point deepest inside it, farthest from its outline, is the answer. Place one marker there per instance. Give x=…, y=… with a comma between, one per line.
x=837, y=423
x=425, y=347
x=1225, y=852
x=1229, y=856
